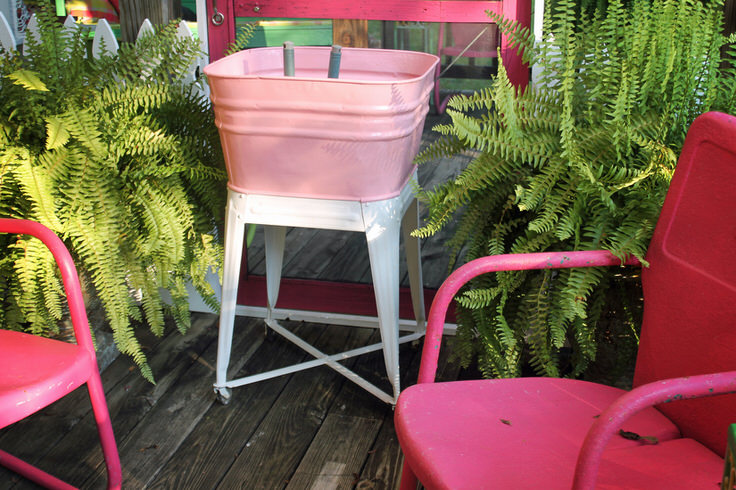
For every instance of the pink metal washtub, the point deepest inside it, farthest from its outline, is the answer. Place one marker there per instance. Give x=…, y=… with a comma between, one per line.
x=349, y=138
x=318, y=152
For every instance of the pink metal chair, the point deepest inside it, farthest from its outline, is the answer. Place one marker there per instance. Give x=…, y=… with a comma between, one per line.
x=36, y=371
x=563, y=433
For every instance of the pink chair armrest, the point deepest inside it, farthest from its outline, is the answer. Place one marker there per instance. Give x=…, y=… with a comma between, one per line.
x=69, y=275
x=641, y=397
x=496, y=263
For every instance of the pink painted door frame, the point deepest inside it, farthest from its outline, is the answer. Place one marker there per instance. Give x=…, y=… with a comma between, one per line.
x=355, y=299
x=397, y=10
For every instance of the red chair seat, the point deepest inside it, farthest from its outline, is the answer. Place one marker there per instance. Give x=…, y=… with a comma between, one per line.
x=475, y=414
x=36, y=371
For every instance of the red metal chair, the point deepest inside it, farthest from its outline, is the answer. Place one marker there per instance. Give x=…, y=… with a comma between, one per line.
x=562, y=433
x=36, y=371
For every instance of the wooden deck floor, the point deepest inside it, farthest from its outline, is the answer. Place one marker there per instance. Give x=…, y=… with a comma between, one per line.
x=313, y=429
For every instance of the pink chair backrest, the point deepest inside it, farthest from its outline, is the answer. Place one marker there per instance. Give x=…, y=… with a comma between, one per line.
x=689, y=323
x=69, y=277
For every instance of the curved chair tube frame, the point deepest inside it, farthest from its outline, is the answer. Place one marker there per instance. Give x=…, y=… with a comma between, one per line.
x=498, y=263
x=636, y=400
x=80, y=323
x=483, y=265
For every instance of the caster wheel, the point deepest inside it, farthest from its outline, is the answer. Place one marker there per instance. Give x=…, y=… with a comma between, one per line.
x=224, y=395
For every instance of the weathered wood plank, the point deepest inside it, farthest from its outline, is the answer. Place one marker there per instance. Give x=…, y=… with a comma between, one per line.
x=224, y=431
x=383, y=466
x=314, y=254
x=353, y=406
x=78, y=454
x=350, y=262
x=296, y=238
x=133, y=12
x=355, y=400
x=275, y=450
x=337, y=453
x=149, y=444
x=382, y=469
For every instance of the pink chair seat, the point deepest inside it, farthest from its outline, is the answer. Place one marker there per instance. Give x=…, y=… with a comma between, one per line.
x=57, y=369
x=473, y=414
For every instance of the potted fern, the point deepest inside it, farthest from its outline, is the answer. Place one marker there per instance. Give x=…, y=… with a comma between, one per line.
x=581, y=160
x=121, y=159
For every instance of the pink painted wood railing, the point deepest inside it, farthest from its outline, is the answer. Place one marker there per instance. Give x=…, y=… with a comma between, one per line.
x=393, y=10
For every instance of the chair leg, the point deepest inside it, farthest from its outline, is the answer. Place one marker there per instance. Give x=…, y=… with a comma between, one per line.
x=382, y=235
x=408, y=478
x=107, y=441
x=31, y=473
x=409, y=223
x=275, y=238
x=234, y=235
x=104, y=429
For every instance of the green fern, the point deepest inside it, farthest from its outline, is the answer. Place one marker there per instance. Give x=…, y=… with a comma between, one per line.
x=581, y=160
x=127, y=169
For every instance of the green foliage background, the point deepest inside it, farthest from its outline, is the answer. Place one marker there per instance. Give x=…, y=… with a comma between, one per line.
x=580, y=161
x=121, y=158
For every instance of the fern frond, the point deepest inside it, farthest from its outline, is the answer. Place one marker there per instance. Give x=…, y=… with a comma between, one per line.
x=581, y=160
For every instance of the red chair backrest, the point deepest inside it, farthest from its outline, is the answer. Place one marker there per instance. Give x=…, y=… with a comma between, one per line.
x=689, y=323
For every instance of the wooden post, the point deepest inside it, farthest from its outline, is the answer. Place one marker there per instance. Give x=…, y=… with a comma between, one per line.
x=350, y=33
x=517, y=71
x=133, y=12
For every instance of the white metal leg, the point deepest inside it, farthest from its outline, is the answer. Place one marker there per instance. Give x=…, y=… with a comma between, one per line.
x=383, y=221
x=275, y=238
x=234, y=235
x=409, y=223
